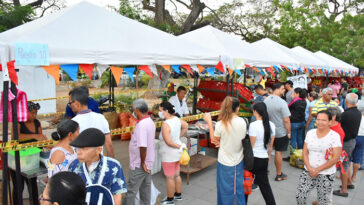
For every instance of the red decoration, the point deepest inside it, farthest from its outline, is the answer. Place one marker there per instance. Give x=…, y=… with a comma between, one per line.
x=11, y=70
x=146, y=69
x=87, y=68
x=220, y=67
x=188, y=68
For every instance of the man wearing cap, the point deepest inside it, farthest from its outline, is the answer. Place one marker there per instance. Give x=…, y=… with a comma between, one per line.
x=90, y=164
x=141, y=155
x=170, y=92
x=86, y=118
x=179, y=102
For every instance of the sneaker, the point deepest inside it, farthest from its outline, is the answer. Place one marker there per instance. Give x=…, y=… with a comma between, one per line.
x=281, y=177
x=166, y=201
x=178, y=198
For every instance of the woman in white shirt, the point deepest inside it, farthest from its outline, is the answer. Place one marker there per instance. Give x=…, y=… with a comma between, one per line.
x=228, y=134
x=262, y=134
x=170, y=150
x=321, y=152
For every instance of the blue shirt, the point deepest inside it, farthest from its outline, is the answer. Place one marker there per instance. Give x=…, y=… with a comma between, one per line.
x=92, y=105
x=114, y=175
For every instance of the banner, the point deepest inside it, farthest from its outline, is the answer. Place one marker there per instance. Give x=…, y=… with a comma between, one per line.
x=31, y=54
x=116, y=72
x=277, y=68
x=130, y=72
x=194, y=68
x=238, y=72
x=176, y=69
x=211, y=71
x=188, y=68
x=146, y=69
x=200, y=68
x=220, y=67
x=153, y=68
x=167, y=68
x=299, y=81
x=11, y=70
x=87, y=68
x=71, y=70
x=53, y=70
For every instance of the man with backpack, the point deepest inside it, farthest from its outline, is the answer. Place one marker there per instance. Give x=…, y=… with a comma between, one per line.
x=103, y=176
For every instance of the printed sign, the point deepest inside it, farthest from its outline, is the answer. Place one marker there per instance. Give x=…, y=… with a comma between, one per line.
x=299, y=81
x=31, y=54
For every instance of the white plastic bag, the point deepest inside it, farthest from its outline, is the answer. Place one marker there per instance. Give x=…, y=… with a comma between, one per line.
x=153, y=195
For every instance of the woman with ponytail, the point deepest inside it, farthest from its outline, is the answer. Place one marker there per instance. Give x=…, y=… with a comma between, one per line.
x=297, y=107
x=262, y=134
x=229, y=132
x=62, y=155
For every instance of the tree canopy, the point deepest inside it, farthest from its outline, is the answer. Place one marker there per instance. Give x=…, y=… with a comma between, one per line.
x=333, y=26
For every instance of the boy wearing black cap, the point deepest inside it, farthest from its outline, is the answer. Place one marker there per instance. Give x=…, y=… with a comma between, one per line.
x=96, y=169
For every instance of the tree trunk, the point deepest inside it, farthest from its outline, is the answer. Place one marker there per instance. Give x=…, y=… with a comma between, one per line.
x=197, y=8
x=159, y=17
x=159, y=81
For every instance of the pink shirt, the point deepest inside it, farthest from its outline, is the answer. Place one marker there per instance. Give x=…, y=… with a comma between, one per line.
x=335, y=90
x=143, y=136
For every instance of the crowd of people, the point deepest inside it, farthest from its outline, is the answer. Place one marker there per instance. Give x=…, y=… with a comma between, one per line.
x=82, y=168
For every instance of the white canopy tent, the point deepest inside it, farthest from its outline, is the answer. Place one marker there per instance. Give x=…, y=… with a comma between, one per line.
x=234, y=47
x=88, y=34
x=85, y=33
x=338, y=64
x=309, y=58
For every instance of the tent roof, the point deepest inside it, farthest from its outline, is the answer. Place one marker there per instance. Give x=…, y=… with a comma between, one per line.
x=85, y=33
x=337, y=63
x=234, y=47
x=309, y=57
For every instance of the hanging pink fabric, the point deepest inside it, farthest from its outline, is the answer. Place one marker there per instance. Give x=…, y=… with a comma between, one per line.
x=293, y=101
x=21, y=103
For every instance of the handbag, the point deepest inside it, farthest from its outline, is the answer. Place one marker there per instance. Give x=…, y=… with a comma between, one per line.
x=248, y=150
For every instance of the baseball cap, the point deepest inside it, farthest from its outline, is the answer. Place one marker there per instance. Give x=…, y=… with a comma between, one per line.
x=90, y=137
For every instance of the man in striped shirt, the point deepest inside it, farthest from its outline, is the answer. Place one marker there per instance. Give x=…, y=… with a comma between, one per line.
x=324, y=102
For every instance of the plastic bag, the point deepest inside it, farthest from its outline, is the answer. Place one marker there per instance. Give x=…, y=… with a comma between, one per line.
x=185, y=158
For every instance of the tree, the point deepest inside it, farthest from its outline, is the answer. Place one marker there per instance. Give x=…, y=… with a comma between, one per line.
x=13, y=13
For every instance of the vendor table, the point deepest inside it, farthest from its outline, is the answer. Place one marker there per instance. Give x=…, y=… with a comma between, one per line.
x=197, y=162
x=30, y=174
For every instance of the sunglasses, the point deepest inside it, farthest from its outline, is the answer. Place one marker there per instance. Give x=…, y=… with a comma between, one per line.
x=42, y=199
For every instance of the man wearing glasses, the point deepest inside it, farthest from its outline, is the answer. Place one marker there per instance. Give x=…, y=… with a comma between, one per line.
x=92, y=104
x=86, y=118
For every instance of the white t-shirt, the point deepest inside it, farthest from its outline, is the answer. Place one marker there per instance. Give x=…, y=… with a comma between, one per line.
x=181, y=109
x=167, y=153
x=231, y=147
x=317, y=149
x=256, y=129
x=89, y=119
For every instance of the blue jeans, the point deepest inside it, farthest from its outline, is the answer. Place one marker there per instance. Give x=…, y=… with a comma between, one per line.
x=230, y=184
x=296, y=134
x=357, y=156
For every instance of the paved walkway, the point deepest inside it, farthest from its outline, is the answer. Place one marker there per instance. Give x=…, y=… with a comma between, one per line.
x=202, y=187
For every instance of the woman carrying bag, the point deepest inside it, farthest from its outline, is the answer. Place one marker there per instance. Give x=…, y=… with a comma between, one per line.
x=229, y=132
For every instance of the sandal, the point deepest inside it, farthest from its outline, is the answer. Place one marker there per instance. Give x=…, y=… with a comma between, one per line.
x=350, y=186
x=281, y=177
x=339, y=193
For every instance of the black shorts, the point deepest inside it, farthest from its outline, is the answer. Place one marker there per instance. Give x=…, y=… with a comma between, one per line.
x=281, y=144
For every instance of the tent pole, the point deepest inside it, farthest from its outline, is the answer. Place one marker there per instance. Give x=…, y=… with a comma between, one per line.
x=244, y=76
x=227, y=82
x=232, y=85
x=18, y=178
x=110, y=81
x=5, y=139
x=195, y=82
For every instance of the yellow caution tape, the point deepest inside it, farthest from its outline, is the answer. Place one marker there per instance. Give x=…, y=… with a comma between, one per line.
x=15, y=146
x=103, y=93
